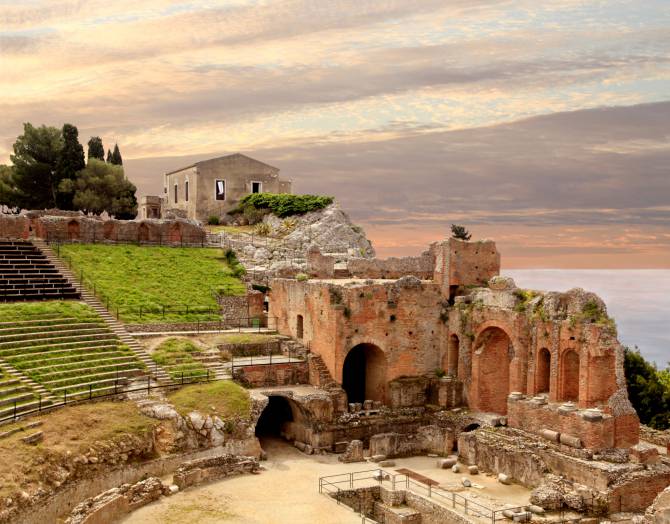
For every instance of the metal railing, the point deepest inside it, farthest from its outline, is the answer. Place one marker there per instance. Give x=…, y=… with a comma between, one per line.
x=138, y=237
x=335, y=485
x=92, y=394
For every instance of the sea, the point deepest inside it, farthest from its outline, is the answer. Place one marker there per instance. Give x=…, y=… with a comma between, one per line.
x=637, y=299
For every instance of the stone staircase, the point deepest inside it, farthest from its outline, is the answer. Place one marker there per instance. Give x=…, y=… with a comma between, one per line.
x=156, y=371
x=27, y=274
x=19, y=393
x=212, y=361
x=319, y=375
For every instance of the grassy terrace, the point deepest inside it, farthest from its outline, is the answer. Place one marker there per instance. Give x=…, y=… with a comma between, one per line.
x=66, y=347
x=223, y=398
x=144, y=278
x=175, y=355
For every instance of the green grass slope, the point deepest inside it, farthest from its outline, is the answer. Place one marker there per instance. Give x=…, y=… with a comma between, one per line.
x=133, y=277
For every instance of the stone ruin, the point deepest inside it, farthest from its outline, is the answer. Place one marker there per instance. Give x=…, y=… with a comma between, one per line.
x=75, y=227
x=418, y=351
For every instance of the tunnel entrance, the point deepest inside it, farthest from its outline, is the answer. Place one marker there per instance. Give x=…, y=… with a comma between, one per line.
x=364, y=374
x=275, y=416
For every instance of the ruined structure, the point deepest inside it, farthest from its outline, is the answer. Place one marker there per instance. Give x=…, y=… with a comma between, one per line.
x=391, y=338
x=214, y=187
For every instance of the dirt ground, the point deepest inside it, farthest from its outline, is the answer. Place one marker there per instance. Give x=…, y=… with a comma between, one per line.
x=286, y=492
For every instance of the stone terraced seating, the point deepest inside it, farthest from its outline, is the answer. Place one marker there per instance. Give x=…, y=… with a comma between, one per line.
x=27, y=274
x=16, y=396
x=72, y=357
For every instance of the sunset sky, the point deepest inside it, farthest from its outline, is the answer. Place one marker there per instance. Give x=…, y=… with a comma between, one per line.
x=544, y=125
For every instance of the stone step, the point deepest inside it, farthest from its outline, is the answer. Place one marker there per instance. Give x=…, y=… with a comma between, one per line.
x=92, y=379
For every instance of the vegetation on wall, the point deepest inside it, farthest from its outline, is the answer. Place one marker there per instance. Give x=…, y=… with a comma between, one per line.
x=648, y=390
x=176, y=357
x=460, y=232
x=282, y=205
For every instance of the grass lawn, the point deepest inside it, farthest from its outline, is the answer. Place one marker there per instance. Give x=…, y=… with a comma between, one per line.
x=223, y=398
x=174, y=355
x=150, y=277
x=13, y=312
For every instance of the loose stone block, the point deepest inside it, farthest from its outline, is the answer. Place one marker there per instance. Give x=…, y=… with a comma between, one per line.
x=473, y=470
x=446, y=463
x=377, y=458
x=549, y=434
x=33, y=439
x=456, y=468
x=466, y=482
x=570, y=440
x=387, y=463
x=368, y=405
x=537, y=510
x=504, y=479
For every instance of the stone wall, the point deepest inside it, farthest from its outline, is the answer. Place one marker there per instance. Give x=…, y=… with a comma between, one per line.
x=265, y=375
x=420, y=267
x=427, y=439
x=460, y=263
x=94, y=229
x=247, y=306
x=213, y=468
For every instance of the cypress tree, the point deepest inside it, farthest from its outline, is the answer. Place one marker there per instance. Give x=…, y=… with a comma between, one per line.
x=70, y=162
x=116, y=156
x=96, y=149
x=109, y=156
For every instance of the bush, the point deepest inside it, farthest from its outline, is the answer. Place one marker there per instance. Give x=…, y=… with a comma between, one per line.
x=302, y=277
x=282, y=205
x=213, y=220
x=235, y=265
x=262, y=229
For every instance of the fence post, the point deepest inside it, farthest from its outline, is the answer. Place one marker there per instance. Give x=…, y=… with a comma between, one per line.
x=39, y=405
x=90, y=391
x=65, y=397
x=182, y=378
x=148, y=385
x=15, y=410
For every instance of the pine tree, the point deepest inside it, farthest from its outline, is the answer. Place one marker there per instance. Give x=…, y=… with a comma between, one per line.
x=70, y=162
x=35, y=158
x=116, y=156
x=460, y=232
x=96, y=149
x=109, y=156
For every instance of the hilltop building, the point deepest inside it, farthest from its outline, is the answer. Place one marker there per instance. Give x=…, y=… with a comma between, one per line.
x=212, y=187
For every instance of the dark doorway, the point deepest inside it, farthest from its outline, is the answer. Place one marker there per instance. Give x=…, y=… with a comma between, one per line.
x=299, y=326
x=543, y=371
x=364, y=374
x=274, y=417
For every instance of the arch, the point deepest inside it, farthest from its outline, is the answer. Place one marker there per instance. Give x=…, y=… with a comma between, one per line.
x=276, y=417
x=73, y=230
x=570, y=376
x=543, y=371
x=109, y=230
x=143, y=233
x=174, y=232
x=452, y=355
x=491, y=370
x=364, y=373
x=299, y=326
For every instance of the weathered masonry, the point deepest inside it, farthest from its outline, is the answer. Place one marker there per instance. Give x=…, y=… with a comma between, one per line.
x=545, y=363
x=214, y=187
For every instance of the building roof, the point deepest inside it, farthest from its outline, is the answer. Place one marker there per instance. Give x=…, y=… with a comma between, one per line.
x=219, y=158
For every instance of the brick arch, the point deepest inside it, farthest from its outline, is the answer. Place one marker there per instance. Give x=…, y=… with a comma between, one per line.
x=143, y=232
x=569, y=372
x=73, y=230
x=492, y=370
x=543, y=371
x=364, y=371
x=279, y=416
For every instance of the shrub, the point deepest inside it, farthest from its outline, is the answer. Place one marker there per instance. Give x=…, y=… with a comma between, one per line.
x=262, y=229
x=440, y=373
x=282, y=205
x=213, y=220
x=302, y=277
x=233, y=263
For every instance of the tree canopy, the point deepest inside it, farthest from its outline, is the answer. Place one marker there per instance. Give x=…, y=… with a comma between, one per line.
x=104, y=187
x=96, y=149
x=648, y=390
x=116, y=156
x=460, y=232
x=35, y=175
x=70, y=162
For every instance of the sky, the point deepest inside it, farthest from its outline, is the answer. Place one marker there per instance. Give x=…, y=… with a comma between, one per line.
x=543, y=125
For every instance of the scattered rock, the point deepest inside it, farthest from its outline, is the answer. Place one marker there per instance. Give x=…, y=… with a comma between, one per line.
x=353, y=453
x=466, y=482
x=537, y=510
x=446, y=463
x=473, y=470
x=456, y=468
x=173, y=489
x=387, y=463
x=504, y=479
x=377, y=458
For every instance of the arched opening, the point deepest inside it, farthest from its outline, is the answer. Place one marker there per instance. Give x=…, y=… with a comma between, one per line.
x=73, y=230
x=275, y=417
x=108, y=230
x=452, y=356
x=543, y=371
x=364, y=374
x=493, y=354
x=570, y=376
x=143, y=233
x=299, y=326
